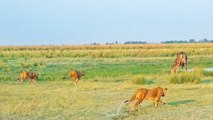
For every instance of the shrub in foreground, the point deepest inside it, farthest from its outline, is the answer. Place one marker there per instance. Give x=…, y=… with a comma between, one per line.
x=141, y=80
x=194, y=76
x=208, y=73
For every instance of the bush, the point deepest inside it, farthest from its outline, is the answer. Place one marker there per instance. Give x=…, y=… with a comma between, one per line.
x=41, y=64
x=208, y=73
x=35, y=64
x=5, y=78
x=141, y=80
x=1, y=64
x=47, y=78
x=187, y=77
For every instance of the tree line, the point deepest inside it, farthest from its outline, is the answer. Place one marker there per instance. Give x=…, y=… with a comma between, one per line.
x=188, y=41
x=164, y=42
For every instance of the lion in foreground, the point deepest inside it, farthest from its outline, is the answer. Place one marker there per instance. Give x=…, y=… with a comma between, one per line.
x=26, y=74
x=76, y=75
x=147, y=94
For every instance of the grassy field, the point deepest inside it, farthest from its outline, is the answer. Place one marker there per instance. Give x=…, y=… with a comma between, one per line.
x=109, y=71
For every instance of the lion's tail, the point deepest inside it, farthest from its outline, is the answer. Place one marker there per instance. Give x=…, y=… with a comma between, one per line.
x=132, y=98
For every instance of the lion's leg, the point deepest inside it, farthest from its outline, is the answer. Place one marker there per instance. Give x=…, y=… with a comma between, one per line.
x=33, y=81
x=175, y=68
x=128, y=102
x=76, y=80
x=30, y=81
x=21, y=80
x=131, y=99
x=172, y=71
x=182, y=65
x=156, y=103
x=136, y=104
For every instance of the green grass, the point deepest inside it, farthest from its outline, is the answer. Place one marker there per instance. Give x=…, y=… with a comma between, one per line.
x=57, y=69
x=99, y=100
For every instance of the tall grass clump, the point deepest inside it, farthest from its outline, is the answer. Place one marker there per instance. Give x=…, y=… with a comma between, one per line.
x=194, y=76
x=208, y=73
x=140, y=80
x=1, y=64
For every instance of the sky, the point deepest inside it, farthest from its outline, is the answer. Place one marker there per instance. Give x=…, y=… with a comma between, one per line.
x=79, y=22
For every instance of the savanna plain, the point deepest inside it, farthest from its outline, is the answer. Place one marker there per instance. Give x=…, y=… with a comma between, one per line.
x=112, y=74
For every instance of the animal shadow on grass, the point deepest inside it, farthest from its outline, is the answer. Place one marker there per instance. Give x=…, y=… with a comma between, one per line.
x=180, y=102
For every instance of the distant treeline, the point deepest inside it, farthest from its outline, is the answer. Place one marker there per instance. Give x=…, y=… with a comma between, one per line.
x=164, y=42
x=116, y=42
x=135, y=42
x=189, y=41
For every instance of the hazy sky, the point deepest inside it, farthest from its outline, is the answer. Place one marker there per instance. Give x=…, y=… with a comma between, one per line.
x=44, y=22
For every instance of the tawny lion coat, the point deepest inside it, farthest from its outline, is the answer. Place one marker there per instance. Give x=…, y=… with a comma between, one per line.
x=76, y=75
x=181, y=60
x=31, y=75
x=147, y=94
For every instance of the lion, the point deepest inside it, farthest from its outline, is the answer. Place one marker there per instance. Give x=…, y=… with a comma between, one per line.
x=181, y=60
x=147, y=94
x=26, y=74
x=76, y=75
